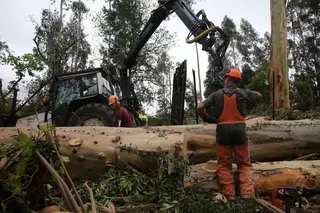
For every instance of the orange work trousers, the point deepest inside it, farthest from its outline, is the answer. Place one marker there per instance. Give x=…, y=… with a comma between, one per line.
x=224, y=170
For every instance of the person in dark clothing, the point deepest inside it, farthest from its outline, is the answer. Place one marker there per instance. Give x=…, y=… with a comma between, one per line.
x=121, y=115
x=229, y=106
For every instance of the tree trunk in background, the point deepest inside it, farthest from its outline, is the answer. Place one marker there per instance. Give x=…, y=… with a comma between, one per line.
x=61, y=12
x=269, y=140
x=78, y=39
x=279, y=64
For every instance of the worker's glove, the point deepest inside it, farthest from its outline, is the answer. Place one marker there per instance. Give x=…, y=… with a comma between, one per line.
x=207, y=118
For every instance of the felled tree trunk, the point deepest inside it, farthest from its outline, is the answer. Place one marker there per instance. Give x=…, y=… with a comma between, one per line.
x=268, y=140
x=267, y=176
x=90, y=148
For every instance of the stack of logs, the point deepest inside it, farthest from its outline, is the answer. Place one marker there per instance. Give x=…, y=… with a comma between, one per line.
x=90, y=148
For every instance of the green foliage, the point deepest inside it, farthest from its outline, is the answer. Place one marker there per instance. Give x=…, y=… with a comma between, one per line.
x=28, y=62
x=310, y=114
x=157, y=186
x=300, y=93
x=62, y=47
x=57, y=42
x=251, y=52
x=190, y=116
x=190, y=2
x=17, y=180
x=120, y=25
x=4, y=50
x=247, y=51
x=159, y=190
x=26, y=144
x=262, y=109
x=260, y=81
x=156, y=121
x=162, y=74
x=247, y=73
x=190, y=95
x=304, y=50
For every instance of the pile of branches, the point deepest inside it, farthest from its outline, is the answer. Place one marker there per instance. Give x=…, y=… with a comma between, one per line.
x=22, y=176
x=33, y=177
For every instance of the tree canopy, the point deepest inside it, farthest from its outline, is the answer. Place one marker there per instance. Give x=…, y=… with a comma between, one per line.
x=61, y=45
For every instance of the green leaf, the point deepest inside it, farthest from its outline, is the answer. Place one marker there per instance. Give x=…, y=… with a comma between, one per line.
x=65, y=159
x=167, y=206
x=26, y=63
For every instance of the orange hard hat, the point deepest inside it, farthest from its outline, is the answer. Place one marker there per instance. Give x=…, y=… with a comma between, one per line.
x=113, y=99
x=234, y=73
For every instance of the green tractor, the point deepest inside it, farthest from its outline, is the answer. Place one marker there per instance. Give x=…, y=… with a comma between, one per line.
x=81, y=99
x=77, y=99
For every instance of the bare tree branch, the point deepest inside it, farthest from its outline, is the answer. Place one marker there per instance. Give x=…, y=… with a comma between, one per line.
x=35, y=39
x=38, y=49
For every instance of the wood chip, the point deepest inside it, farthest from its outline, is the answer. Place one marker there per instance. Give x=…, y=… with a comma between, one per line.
x=116, y=139
x=75, y=142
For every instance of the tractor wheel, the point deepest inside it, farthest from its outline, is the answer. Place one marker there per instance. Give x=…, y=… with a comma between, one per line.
x=94, y=114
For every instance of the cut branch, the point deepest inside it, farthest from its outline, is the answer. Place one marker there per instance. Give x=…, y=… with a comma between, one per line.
x=70, y=202
x=93, y=203
x=67, y=174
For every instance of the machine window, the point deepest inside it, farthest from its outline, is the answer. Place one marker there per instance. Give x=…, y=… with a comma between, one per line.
x=67, y=90
x=106, y=87
x=90, y=85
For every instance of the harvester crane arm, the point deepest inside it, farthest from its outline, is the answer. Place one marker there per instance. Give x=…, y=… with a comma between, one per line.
x=202, y=30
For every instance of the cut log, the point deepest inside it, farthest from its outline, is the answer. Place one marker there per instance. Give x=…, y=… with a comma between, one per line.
x=268, y=140
x=267, y=176
x=90, y=148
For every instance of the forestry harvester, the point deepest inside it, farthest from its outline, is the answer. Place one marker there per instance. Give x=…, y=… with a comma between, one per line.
x=80, y=98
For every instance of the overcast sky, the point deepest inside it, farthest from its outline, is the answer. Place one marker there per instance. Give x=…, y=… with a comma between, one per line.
x=18, y=31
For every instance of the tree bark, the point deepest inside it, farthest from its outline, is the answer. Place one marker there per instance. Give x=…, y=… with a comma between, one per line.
x=267, y=176
x=279, y=64
x=90, y=148
x=268, y=140
x=78, y=37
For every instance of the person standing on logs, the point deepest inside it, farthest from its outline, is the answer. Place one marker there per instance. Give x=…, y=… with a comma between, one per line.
x=229, y=106
x=121, y=114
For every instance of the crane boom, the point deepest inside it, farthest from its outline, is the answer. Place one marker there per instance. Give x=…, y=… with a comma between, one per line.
x=203, y=31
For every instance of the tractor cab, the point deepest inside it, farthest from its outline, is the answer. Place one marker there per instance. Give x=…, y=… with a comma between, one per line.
x=81, y=98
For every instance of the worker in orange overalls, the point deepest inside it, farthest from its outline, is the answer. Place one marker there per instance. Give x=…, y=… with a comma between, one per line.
x=230, y=106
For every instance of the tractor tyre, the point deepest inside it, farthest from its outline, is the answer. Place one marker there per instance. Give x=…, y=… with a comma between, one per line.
x=94, y=114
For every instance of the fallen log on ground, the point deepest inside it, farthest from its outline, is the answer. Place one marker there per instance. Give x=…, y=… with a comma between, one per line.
x=90, y=148
x=267, y=175
x=269, y=140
